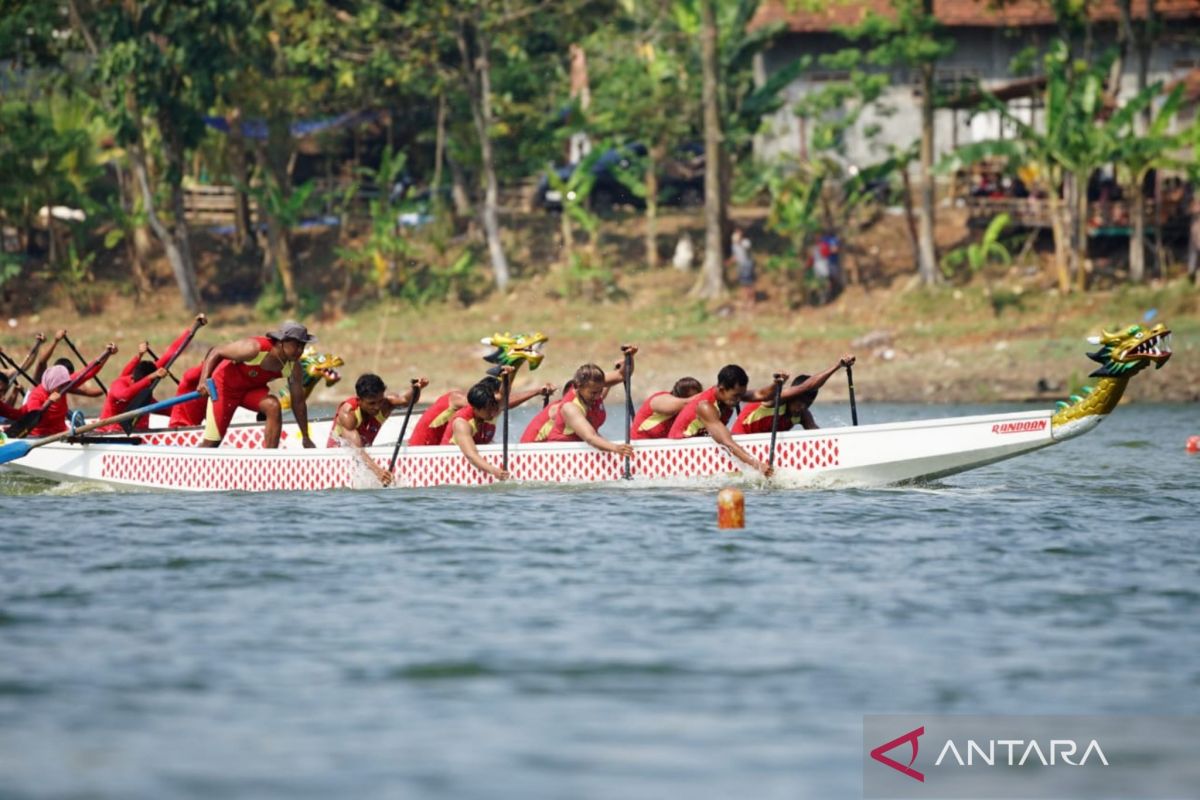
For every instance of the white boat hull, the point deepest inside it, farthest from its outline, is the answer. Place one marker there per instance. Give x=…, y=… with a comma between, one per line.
x=868, y=455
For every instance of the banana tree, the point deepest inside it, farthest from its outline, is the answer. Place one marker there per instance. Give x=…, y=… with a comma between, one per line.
x=1138, y=155
x=1077, y=140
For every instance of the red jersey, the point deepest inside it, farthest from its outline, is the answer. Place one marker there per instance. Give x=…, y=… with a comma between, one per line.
x=433, y=424
x=595, y=413
x=482, y=432
x=191, y=413
x=121, y=393
x=688, y=424
x=649, y=424
x=55, y=419
x=10, y=412
x=543, y=422
x=756, y=418
x=240, y=376
x=368, y=425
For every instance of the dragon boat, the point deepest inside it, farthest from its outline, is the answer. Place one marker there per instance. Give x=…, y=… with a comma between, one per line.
x=866, y=455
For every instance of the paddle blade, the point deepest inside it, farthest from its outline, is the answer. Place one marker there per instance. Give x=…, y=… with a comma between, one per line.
x=13, y=450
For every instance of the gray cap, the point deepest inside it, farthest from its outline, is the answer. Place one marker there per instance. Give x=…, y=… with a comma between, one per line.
x=290, y=329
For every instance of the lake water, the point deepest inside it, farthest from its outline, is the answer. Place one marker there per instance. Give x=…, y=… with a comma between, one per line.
x=600, y=642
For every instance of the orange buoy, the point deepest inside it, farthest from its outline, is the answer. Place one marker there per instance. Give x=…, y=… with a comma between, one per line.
x=1193, y=444
x=731, y=508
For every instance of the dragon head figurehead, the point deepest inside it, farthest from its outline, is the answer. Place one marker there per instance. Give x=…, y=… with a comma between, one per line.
x=513, y=349
x=316, y=367
x=1129, y=351
x=1122, y=354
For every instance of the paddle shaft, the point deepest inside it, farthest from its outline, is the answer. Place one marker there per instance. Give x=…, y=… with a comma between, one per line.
x=17, y=367
x=412, y=401
x=775, y=419
x=148, y=393
x=79, y=355
x=166, y=366
x=628, y=379
x=853, y=405
x=16, y=449
x=507, y=385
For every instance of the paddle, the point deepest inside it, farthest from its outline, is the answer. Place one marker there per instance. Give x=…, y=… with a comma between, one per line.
x=31, y=419
x=8, y=359
x=146, y=394
x=150, y=352
x=412, y=401
x=779, y=378
x=628, y=377
x=507, y=378
x=16, y=449
x=79, y=355
x=853, y=407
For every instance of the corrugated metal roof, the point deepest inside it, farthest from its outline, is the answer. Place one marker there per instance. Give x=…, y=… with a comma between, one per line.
x=954, y=13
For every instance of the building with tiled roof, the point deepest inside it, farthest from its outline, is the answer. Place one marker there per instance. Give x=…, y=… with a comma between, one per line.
x=988, y=35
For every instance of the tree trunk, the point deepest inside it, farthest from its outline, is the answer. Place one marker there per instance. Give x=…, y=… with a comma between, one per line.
x=181, y=264
x=1137, y=239
x=927, y=265
x=439, y=155
x=276, y=156
x=458, y=189
x=1124, y=36
x=1059, y=227
x=479, y=79
x=654, y=154
x=125, y=190
x=1145, y=47
x=910, y=216
x=710, y=283
x=244, y=241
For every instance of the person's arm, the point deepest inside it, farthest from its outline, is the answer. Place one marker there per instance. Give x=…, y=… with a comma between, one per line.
x=39, y=340
x=721, y=435
x=349, y=424
x=180, y=342
x=136, y=388
x=43, y=358
x=764, y=393
x=133, y=362
x=516, y=398
x=242, y=350
x=86, y=387
x=300, y=404
x=461, y=434
x=578, y=422
x=668, y=404
x=395, y=401
x=816, y=381
x=806, y=420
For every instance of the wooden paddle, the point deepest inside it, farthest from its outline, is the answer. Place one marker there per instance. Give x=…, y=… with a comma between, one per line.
x=9, y=360
x=16, y=449
x=853, y=406
x=31, y=419
x=779, y=378
x=79, y=355
x=628, y=378
x=412, y=401
x=147, y=394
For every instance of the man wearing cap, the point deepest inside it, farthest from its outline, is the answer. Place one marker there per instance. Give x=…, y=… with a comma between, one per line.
x=242, y=369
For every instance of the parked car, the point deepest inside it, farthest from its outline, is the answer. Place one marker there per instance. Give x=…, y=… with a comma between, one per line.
x=680, y=180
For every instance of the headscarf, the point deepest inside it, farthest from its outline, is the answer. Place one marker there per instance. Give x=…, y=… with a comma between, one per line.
x=55, y=378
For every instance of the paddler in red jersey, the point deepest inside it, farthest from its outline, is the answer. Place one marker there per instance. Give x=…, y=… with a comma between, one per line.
x=797, y=398
x=475, y=425
x=138, y=376
x=191, y=413
x=52, y=382
x=708, y=413
x=359, y=419
x=543, y=423
x=653, y=420
x=242, y=371
x=581, y=414
x=433, y=426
